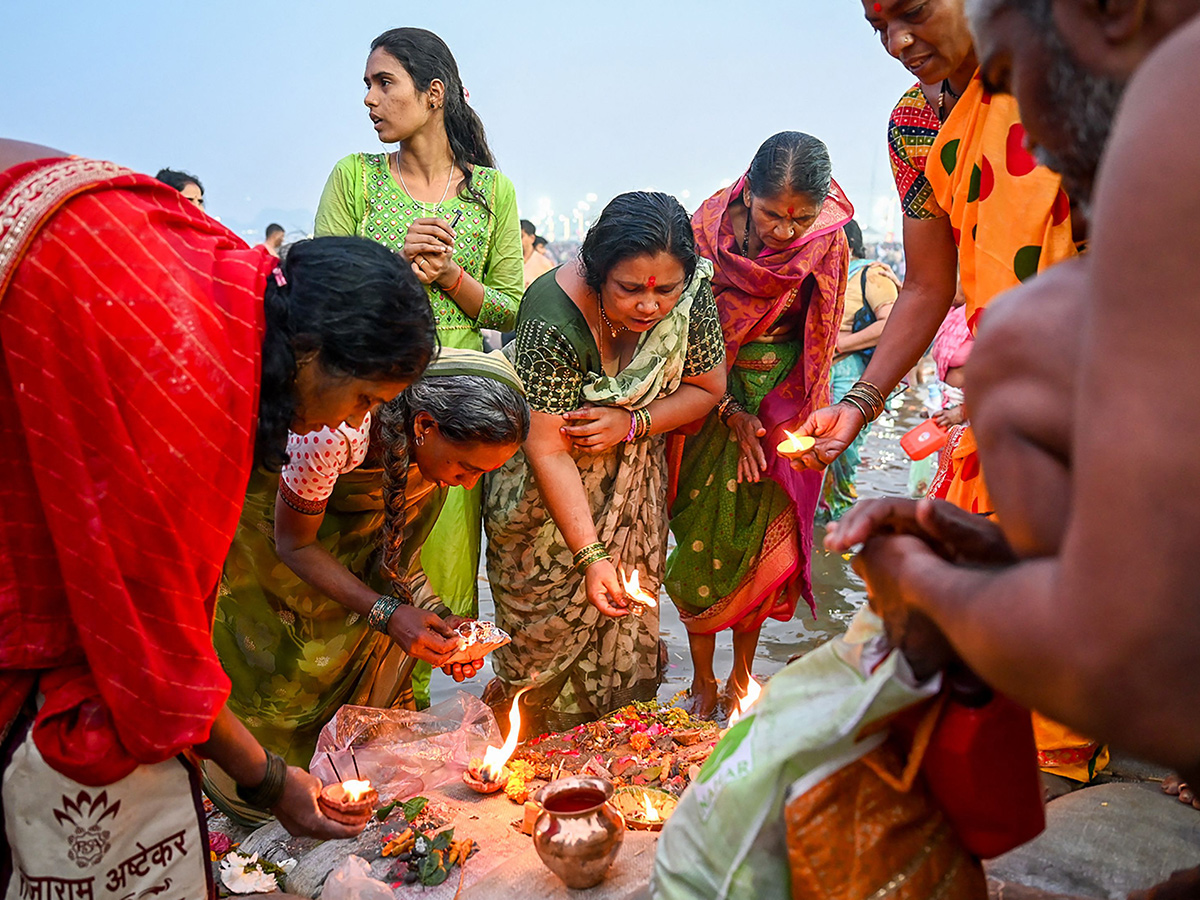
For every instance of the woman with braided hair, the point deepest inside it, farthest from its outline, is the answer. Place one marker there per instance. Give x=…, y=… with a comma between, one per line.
x=323, y=600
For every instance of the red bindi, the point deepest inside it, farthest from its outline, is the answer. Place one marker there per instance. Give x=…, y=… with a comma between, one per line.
x=651, y=281
x=791, y=210
x=878, y=7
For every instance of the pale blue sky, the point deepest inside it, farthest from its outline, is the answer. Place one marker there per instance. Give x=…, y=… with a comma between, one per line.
x=261, y=99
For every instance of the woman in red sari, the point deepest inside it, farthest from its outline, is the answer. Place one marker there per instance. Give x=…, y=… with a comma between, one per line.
x=742, y=517
x=148, y=360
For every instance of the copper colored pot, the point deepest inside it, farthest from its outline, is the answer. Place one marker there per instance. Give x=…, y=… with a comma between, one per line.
x=578, y=832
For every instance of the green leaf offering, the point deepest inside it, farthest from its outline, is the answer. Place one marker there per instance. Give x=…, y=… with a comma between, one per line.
x=413, y=807
x=443, y=839
x=433, y=869
x=384, y=811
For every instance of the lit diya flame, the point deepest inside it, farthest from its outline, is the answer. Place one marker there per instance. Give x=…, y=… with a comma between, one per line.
x=634, y=590
x=495, y=757
x=795, y=444
x=648, y=809
x=355, y=789
x=748, y=699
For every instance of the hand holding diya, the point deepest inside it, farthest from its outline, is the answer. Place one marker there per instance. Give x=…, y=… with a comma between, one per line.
x=640, y=600
x=795, y=444
x=350, y=802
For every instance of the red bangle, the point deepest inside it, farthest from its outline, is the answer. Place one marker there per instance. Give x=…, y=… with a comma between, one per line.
x=451, y=290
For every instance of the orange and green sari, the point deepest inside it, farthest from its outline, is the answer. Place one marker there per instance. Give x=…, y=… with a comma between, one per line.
x=1011, y=220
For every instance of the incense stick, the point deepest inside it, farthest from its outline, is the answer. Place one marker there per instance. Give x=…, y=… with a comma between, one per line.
x=336, y=773
x=354, y=759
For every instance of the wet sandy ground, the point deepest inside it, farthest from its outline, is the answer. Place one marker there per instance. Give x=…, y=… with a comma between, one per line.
x=839, y=592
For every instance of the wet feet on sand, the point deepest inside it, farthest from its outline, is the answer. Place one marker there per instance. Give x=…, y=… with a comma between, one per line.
x=1177, y=787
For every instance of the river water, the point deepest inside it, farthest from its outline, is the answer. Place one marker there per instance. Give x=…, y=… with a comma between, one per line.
x=839, y=592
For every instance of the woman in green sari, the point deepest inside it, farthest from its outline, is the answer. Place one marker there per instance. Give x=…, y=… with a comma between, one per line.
x=439, y=201
x=742, y=517
x=323, y=600
x=616, y=351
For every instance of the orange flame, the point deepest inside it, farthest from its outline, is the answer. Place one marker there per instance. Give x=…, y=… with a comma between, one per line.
x=495, y=757
x=748, y=699
x=795, y=443
x=355, y=789
x=634, y=589
x=648, y=809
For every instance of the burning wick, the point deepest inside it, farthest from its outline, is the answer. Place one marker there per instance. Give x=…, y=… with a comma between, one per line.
x=639, y=597
x=648, y=809
x=495, y=757
x=748, y=699
x=355, y=789
x=794, y=444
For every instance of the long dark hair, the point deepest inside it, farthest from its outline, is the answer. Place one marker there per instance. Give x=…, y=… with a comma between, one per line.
x=855, y=239
x=633, y=224
x=353, y=303
x=791, y=160
x=425, y=57
x=467, y=409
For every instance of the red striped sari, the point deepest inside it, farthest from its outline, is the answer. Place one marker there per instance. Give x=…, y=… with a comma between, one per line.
x=130, y=340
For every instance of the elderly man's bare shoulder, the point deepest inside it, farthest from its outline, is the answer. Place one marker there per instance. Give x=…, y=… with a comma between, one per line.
x=1031, y=331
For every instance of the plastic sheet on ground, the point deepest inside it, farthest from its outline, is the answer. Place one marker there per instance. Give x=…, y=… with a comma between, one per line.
x=352, y=881
x=403, y=752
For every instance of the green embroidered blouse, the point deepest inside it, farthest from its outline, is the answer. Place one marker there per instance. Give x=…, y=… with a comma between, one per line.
x=557, y=355
x=362, y=198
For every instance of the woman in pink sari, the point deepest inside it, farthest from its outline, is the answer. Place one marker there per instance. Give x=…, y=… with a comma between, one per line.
x=742, y=517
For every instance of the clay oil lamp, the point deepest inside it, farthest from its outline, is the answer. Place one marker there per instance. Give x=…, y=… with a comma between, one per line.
x=640, y=600
x=349, y=802
x=794, y=444
x=492, y=774
x=644, y=809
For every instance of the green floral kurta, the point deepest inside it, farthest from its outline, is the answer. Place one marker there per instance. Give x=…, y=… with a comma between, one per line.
x=362, y=198
x=584, y=663
x=294, y=655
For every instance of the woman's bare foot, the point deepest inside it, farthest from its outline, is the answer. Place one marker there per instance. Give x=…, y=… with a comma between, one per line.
x=1177, y=787
x=701, y=702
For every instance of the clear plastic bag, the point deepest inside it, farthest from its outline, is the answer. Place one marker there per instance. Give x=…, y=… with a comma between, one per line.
x=352, y=881
x=402, y=752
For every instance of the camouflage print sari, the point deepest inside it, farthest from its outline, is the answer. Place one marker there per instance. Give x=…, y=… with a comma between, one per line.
x=583, y=663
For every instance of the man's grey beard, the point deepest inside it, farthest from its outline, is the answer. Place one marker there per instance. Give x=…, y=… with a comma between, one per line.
x=1087, y=105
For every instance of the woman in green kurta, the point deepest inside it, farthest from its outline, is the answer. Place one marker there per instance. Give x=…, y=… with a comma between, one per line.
x=615, y=351
x=440, y=202
x=321, y=545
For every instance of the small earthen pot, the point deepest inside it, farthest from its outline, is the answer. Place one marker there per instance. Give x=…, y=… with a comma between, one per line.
x=578, y=832
x=338, y=806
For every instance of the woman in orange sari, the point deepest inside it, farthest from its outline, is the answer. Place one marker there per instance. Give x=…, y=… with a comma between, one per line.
x=742, y=517
x=976, y=205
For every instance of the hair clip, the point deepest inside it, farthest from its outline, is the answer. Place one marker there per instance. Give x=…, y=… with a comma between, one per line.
x=279, y=279
x=651, y=281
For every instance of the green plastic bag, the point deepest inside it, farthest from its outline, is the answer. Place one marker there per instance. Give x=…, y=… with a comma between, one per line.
x=727, y=837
